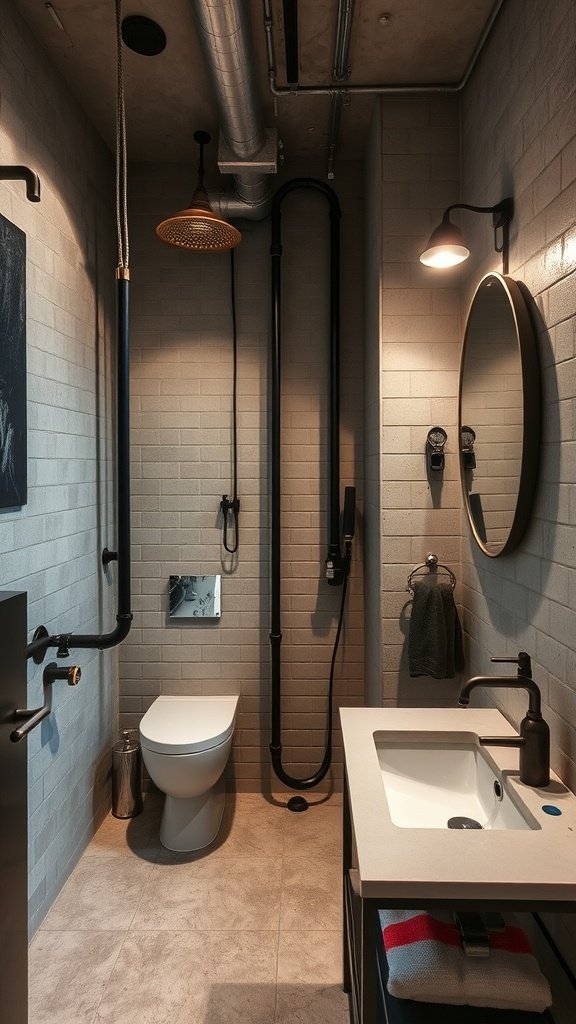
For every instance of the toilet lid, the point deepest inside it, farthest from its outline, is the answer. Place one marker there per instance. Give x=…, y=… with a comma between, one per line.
x=183, y=725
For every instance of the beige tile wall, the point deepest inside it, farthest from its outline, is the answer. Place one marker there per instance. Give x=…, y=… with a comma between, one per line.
x=419, y=352
x=520, y=139
x=528, y=131
x=181, y=376
x=50, y=548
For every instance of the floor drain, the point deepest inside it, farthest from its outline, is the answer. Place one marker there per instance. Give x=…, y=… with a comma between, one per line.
x=463, y=823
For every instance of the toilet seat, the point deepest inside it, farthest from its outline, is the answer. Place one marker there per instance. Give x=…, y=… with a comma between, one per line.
x=187, y=725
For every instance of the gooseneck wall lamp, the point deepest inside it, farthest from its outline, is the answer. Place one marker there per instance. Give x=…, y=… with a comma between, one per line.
x=446, y=246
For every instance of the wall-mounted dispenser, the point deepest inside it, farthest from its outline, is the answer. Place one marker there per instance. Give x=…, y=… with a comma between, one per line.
x=467, y=453
x=435, y=442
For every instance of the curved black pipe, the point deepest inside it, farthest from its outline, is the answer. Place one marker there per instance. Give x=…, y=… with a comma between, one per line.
x=18, y=172
x=102, y=641
x=339, y=565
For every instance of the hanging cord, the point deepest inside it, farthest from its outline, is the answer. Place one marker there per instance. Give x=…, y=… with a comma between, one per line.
x=230, y=508
x=330, y=712
x=299, y=803
x=121, y=159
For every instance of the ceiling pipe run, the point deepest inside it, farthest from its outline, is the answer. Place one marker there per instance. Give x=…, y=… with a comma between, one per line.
x=341, y=72
x=377, y=90
x=224, y=34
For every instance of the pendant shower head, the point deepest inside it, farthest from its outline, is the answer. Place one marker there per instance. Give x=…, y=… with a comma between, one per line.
x=198, y=228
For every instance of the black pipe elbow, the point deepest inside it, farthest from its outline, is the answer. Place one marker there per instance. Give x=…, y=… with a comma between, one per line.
x=18, y=172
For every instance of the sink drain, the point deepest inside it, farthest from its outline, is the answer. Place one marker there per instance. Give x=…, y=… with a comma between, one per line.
x=463, y=823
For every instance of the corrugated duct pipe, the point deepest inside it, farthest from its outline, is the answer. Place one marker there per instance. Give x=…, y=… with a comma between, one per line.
x=224, y=33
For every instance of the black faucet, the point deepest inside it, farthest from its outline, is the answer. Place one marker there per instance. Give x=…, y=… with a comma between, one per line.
x=534, y=738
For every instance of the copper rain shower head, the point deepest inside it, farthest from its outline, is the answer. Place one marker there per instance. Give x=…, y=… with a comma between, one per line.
x=198, y=228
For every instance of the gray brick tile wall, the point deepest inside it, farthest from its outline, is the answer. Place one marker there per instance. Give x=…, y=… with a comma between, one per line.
x=50, y=548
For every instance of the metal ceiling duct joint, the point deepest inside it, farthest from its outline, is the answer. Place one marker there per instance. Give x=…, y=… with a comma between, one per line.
x=224, y=34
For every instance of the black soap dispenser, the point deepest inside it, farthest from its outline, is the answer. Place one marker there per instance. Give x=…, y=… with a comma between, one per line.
x=435, y=442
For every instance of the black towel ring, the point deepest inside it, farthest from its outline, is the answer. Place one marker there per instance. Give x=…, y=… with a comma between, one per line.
x=432, y=565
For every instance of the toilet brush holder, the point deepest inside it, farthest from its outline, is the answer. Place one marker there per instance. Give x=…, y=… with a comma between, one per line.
x=127, y=777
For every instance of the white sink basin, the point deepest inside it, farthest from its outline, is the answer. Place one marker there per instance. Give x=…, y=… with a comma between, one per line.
x=410, y=769
x=431, y=777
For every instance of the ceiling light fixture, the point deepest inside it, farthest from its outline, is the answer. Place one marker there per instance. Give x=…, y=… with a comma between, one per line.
x=446, y=246
x=198, y=227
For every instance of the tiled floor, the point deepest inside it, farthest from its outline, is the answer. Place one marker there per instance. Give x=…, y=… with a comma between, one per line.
x=247, y=932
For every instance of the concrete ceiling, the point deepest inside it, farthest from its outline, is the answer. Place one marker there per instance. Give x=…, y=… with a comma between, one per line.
x=168, y=97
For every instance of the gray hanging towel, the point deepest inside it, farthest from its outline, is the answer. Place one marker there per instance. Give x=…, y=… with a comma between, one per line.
x=435, y=639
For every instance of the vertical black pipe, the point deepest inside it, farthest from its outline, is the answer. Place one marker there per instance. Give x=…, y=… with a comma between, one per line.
x=275, y=524
x=334, y=486
x=334, y=461
x=123, y=446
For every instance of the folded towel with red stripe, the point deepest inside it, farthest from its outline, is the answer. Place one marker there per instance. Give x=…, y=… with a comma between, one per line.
x=426, y=962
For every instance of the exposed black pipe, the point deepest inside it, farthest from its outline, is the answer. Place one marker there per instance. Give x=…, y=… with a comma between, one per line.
x=334, y=565
x=337, y=565
x=18, y=172
x=230, y=507
x=102, y=641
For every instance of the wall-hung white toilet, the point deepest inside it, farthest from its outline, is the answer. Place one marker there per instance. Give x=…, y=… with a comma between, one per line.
x=186, y=742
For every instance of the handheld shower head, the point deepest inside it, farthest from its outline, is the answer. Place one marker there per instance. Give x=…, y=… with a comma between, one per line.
x=349, y=513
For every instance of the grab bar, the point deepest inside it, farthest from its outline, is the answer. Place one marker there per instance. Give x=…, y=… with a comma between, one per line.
x=32, y=718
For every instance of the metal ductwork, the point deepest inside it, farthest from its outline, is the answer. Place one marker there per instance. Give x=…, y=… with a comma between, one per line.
x=224, y=33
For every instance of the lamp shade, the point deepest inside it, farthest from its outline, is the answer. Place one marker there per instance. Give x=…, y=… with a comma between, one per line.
x=199, y=227
x=445, y=247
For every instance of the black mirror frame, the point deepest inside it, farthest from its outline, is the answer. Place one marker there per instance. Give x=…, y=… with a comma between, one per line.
x=531, y=409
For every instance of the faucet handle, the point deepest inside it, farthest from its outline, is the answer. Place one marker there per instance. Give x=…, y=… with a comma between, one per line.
x=522, y=660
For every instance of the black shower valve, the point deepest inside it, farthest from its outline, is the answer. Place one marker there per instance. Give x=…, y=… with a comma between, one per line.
x=71, y=674
x=229, y=505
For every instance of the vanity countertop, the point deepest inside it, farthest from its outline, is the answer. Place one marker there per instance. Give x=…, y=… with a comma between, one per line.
x=535, y=864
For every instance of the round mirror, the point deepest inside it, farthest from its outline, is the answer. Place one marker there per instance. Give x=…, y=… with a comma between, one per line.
x=499, y=414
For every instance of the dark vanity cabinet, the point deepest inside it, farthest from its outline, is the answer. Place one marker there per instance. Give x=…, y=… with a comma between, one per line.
x=365, y=969
x=13, y=814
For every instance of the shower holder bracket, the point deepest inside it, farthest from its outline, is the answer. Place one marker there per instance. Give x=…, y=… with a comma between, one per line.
x=265, y=161
x=41, y=633
x=109, y=556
